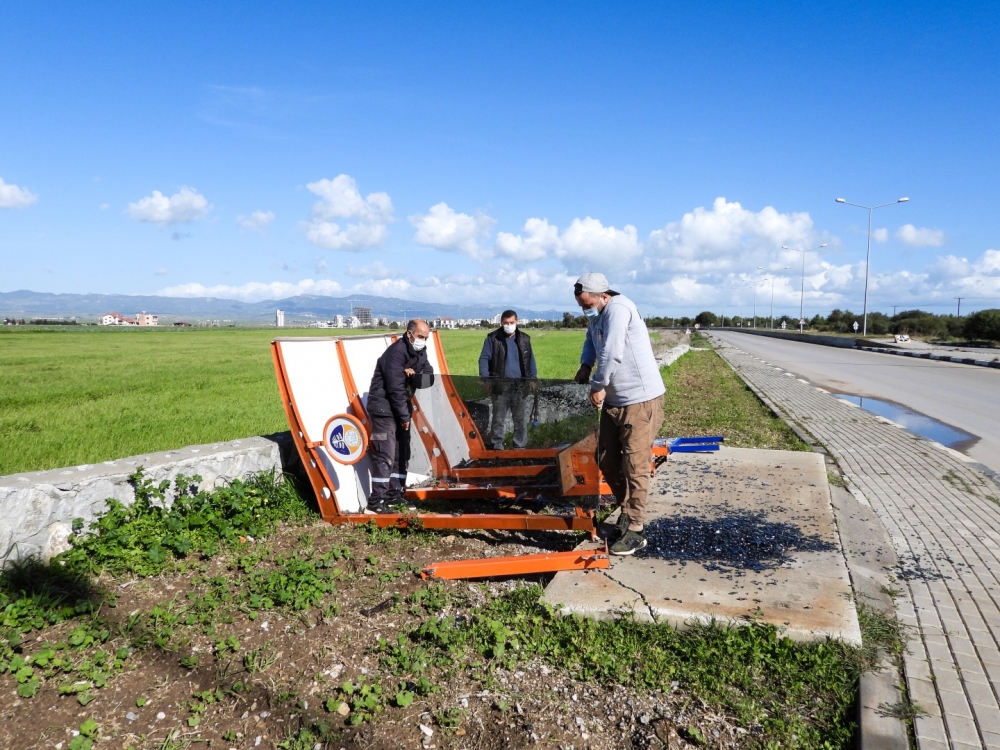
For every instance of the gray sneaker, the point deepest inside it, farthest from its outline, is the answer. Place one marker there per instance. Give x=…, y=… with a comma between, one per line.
x=630, y=543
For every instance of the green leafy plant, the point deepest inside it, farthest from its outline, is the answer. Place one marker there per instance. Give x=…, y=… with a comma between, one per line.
x=144, y=537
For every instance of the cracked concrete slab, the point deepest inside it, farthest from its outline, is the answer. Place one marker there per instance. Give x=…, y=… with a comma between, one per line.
x=737, y=535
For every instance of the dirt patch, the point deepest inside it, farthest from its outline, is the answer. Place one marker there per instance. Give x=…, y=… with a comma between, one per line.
x=225, y=672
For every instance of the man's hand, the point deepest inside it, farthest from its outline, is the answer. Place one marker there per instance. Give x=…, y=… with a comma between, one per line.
x=532, y=386
x=484, y=385
x=409, y=372
x=582, y=375
x=597, y=398
x=405, y=426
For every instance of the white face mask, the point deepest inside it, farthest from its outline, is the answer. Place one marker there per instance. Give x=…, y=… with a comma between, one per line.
x=418, y=344
x=509, y=328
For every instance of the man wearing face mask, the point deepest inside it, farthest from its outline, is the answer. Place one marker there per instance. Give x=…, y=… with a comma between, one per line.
x=627, y=387
x=401, y=369
x=508, y=362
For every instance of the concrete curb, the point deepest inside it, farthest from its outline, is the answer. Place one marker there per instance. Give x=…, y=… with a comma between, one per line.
x=870, y=560
x=937, y=357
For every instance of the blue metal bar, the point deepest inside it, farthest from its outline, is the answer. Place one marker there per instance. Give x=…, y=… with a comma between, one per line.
x=700, y=439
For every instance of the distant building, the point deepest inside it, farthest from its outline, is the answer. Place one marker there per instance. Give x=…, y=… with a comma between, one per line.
x=353, y=322
x=338, y=321
x=444, y=323
x=495, y=320
x=182, y=323
x=143, y=319
x=114, y=319
x=364, y=316
x=279, y=318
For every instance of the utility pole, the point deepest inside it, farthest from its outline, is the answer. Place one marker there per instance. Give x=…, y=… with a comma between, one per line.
x=960, y=305
x=894, y=310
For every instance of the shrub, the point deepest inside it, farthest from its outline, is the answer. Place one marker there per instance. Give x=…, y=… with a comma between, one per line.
x=984, y=324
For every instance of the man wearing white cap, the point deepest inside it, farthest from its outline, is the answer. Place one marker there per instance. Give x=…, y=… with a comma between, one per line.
x=627, y=387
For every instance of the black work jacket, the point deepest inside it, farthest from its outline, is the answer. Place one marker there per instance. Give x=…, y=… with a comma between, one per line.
x=498, y=359
x=390, y=393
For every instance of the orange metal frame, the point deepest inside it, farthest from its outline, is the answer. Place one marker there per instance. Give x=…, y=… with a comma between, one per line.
x=322, y=483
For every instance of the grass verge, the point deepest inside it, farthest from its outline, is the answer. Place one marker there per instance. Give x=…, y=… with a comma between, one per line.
x=705, y=397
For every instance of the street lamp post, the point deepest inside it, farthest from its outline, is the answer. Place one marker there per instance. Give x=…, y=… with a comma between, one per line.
x=802, y=291
x=868, y=257
x=755, y=283
x=772, y=298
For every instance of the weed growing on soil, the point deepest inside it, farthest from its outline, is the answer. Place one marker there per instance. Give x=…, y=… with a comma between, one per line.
x=749, y=671
x=144, y=537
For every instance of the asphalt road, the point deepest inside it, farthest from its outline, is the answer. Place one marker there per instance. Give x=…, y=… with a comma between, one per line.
x=963, y=396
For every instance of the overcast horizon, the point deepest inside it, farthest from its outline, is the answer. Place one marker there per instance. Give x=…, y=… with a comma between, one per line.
x=471, y=155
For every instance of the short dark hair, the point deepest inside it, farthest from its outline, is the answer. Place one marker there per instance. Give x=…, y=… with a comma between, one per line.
x=411, y=326
x=508, y=314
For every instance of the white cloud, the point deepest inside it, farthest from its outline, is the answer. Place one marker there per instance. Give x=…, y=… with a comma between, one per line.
x=161, y=272
x=880, y=234
x=538, y=240
x=444, y=228
x=727, y=238
x=104, y=206
x=13, y=196
x=253, y=291
x=341, y=199
x=255, y=222
x=598, y=246
x=920, y=237
x=187, y=204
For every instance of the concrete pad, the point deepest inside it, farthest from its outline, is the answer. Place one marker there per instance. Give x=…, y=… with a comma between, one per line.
x=735, y=536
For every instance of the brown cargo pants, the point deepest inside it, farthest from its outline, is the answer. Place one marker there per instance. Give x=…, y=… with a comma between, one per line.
x=624, y=453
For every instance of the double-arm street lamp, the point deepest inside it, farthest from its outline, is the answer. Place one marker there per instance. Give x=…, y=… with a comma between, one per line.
x=868, y=257
x=802, y=291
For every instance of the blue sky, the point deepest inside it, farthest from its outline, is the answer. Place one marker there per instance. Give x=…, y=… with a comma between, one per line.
x=475, y=153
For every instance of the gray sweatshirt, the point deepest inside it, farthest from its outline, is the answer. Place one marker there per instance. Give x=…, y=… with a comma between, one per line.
x=618, y=341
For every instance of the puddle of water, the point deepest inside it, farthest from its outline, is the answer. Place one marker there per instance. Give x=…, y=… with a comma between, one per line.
x=913, y=421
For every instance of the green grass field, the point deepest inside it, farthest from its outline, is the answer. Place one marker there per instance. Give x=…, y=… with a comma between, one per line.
x=82, y=396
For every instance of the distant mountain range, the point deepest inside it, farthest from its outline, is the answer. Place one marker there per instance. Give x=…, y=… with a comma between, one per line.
x=303, y=308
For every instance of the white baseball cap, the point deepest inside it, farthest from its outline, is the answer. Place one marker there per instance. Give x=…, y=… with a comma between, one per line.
x=595, y=283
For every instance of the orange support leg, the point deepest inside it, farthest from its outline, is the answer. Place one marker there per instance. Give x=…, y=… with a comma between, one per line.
x=547, y=562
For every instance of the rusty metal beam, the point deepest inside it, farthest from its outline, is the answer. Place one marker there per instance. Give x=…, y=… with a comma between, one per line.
x=462, y=492
x=483, y=472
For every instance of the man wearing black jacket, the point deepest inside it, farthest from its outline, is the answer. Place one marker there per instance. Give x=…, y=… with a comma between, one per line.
x=509, y=362
x=401, y=369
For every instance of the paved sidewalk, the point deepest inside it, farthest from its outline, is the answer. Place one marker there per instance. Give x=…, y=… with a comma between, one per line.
x=944, y=520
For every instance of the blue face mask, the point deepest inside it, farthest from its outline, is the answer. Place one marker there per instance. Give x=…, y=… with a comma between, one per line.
x=591, y=312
